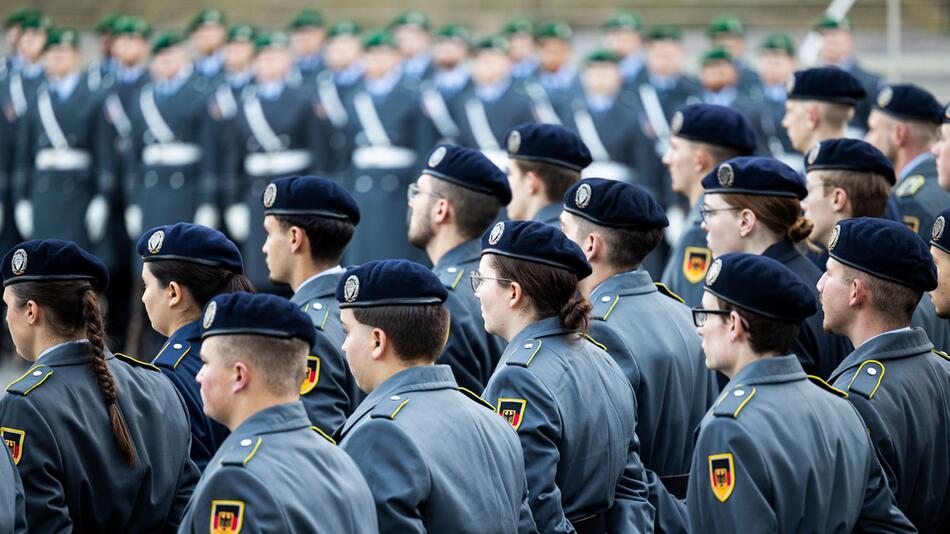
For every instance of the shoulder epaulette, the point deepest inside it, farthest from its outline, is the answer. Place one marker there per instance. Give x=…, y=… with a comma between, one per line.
x=324, y=434
x=662, y=288
x=171, y=354
x=137, y=363
x=942, y=354
x=241, y=454
x=525, y=353
x=30, y=380
x=451, y=277
x=603, y=306
x=910, y=186
x=867, y=378
x=733, y=400
x=474, y=396
x=820, y=382
x=318, y=312
x=389, y=407
x=595, y=342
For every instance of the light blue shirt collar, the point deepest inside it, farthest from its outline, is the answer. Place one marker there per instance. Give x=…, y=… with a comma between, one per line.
x=64, y=87
x=63, y=344
x=492, y=92
x=912, y=164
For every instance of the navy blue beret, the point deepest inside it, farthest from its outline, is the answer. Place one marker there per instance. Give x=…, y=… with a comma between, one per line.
x=946, y=114
x=940, y=236
x=886, y=249
x=548, y=143
x=828, y=84
x=190, y=242
x=309, y=195
x=910, y=102
x=536, y=242
x=613, y=203
x=716, y=125
x=389, y=283
x=256, y=314
x=849, y=155
x=762, y=286
x=470, y=169
x=52, y=260
x=755, y=176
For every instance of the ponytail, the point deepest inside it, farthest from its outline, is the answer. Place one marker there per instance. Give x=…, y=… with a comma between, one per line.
x=799, y=230
x=552, y=291
x=575, y=314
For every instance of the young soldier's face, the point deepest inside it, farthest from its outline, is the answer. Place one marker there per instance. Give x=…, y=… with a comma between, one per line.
x=216, y=378
x=834, y=293
x=715, y=335
x=276, y=249
x=818, y=208
x=358, y=347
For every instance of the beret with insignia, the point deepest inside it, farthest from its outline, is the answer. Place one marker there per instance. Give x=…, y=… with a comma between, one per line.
x=166, y=40
x=829, y=22
x=493, y=42
x=615, y=204
x=665, y=33
x=132, y=26
x=624, y=20
x=345, y=27
x=379, y=40
x=602, y=55
x=826, y=84
x=778, y=42
x=18, y=15
x=518, y=25
x=67, y=37
x=715, y=125
x=470, y=169
x=849, y=155
x=762, y=286
x=389, y=283
x=725, y=25
x=271, y=39
x=192, y=243
x=308, y=18
x=454, y=31
x=715, y=54
x=309, y=195
x=909, y=102
x=885, y=249
x=242, y=32
x=755, y=176
x=554, y=29
x=256, y=314
x=207, y=16
x=411, y=18
x=536, y=242
x=53, y=260
x=940, y=234
x=548, y=143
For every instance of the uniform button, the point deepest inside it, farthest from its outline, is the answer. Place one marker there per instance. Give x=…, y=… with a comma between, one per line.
x=318, y=306
x=245, y=442
x=605, y=298
x=363, y=184
x=394, y=397
x=176, y=181
x=528, y=345
x=176, y=346
x=452, y=269
x=739, y=392
x=872, y=371
x=37, y=373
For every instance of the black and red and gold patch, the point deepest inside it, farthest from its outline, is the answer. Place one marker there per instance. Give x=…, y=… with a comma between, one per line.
x=14, y=439
x=722, y=475
x=912, y=222
x=696, y=263
x=512, y=410
x=227, y=517
x=313, y=375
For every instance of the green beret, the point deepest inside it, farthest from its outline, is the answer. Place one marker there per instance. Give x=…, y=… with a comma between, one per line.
x=518, y=25
x=493, y=42
x=166, y=40
x=268, y=39
x=623, y=20
x=379, y=39
x=62, y=37
x=715, y=54
x=412, y=18
x=133, y=26
x=308, y=18
x=242, y=32
x=827, y=22
x=345, y=27
x=207, y=16
x=725, y=25
x=554, y=29
x=602, y=55
x=35, y=21
x=17, y=16
x=779, y=42
x=666, y=32
x=106, y=25
x=454, y=31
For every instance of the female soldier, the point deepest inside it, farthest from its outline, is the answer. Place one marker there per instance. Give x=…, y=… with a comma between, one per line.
x=753, y=205
x=570, y=403
x=100, y=440
x=183, y=267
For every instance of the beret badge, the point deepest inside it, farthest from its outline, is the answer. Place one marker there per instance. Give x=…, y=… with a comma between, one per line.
x=938, y=229
x=437, y=157
x=713, y=273
x=726, y=175
x=833, y=240
x=270, y=195
x=813, y=154
x=582, y=196
x=156, y=241
x=351, y=288
x=514, y=142
x=495, y=234
x=884, y=97
x=209, y=315
x=677, y=123
x=18, y=262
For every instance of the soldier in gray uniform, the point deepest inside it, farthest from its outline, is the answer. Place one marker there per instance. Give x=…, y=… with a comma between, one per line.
x=307, y=36
x=877, y=272
x=12, y=501
x=940, y=249
x=208, y=32
x=335, y=85
x=557, y=84
x=573, y=408
x=441, y=96
x=435, y=455
x=308, y=222
x=275, y=472
x=721, y=80
x=837, y=48
x=100, y=440
x=777, y=452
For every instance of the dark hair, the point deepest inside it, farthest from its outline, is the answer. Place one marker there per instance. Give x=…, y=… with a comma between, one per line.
x=474, y=211
x=894, y=301
x=203, y=282
x=556, y=179
x=328, y=237
x=418, y=333
x=867, y=191
x=782, y=215
x=552, y=291
x=626, y=248
x=280, y=362
x=73, y=309
x=765, y=335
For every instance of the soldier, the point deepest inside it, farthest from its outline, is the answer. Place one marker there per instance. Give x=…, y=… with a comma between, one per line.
x=941, y=151
x=459, y=194
x=728, y=32
x=254, y=348
x=435, y=455
x=566, y=397
x=335, y=87
x=877, y=272
x=624, y=36
x=776, y=66
x=703, y=137
x=904, y=125
x=543, y=161
x=12, y=25
x=450, y=79
x=411, y=36
x=940, y=249
x=721, y=82
x=819, y=104
x=307, y=36
x=837, y=49
x=102, y=70
x=12, y=501
x=519, y=32
x=208, y=32
x=309, y=221
x=185, y=266
x=557, y=81
x=100, y=440
x=750, y=472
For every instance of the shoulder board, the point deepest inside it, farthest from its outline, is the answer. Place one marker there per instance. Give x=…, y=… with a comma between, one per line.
x=241, y=454
x=389, y=407
x=733, y=400
x=323, y=434
x=30, y=380
x=663, y=289
x=451, y=277
x=604, y=306
x=137, y=363
x=910, y=186
x=171, y=355
x=474, y=396
x=318, y=312
x=818, y=381
x=942, y=354
x=867, y=378
x=911, y=222
x=525, y=353
x=594, y=341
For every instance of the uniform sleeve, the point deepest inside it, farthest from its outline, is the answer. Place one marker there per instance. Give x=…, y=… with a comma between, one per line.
x=618, y=350
x=525, y=518
x=879, y=512
x=16, y=485
x=24, y=132
x=187, y=478
x=539, y=429
x=670, y=513
x=319, y=131
x=742, y=486
x=632, y=511
x=328, y=403
x=233, y=499
x=395, y=472
x=201, y=452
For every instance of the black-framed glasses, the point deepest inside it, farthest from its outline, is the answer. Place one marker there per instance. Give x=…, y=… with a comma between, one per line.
x=414, y=191
x=701, y=314
x=706, y=212
x=478, y=280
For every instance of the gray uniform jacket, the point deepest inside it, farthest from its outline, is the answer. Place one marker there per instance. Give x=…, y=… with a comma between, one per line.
x=550, y=214
x=275, y=473
x=437, y=458
x=12, y=501
x=920, y=198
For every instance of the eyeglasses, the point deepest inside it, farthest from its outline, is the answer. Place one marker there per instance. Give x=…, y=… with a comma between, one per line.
x=706, y=212
x=414, y=191
x=478, y=280
x=701, y=314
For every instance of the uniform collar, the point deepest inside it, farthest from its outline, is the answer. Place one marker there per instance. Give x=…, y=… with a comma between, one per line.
x=466, y=252
x=453, y=80
x=417, y=65
x=631, y=65
x=600, y=103
x=270, y=90
x=68, y=353
x=380, y=87
x=724, y=97
x=210, y=65
x=238, y=80
x=64, y=87
x=189, y=332
x=562, y=79
x=629, y=283
x=887, y=346
x=775, y=93
x=549, y=214
x=311, y=62
x=914, y=165
x=663, y=83
x=278, y=418
x=552, y=326
x=771, y=370
x=525, y=68
x=349, y=75
x=320, y=285
x=782, y=251
x=494, y=91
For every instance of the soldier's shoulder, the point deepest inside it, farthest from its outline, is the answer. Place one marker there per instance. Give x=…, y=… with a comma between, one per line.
x=452, y=276
x=135, y=362
x=909, y=187
x=867, y=379
x=526, y=353
x=30, y=381
x=171, y=355
x=318, y=310
x=734, y=400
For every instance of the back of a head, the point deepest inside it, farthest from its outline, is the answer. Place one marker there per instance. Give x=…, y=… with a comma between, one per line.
x=857, y=167
x=555, y=154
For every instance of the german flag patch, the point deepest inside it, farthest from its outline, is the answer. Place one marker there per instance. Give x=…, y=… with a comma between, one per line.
x=695, y=263
x=14, y=439
x=722, y=475
x=227, y=517
x=312, y=376
x=512, y=410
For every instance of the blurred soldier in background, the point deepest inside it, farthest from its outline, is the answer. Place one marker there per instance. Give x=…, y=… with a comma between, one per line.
x=208, y=33
x=819, y=104
x=104, y=65
x=307, y=36
x=441, y=94
x=557, y=74
x=623, y=34
x=837, y=49
x=721, y=80
x=776, y=67
x=410, y=33
x=728, y=32
x=519, y=32
x=335, y=86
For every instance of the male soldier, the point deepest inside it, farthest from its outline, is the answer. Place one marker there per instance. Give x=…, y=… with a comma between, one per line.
x=519, y=32
x=877, y=271
x=208, y=32
x=623, y=35
x=307, y=36
x=335, y=86
x=309, y=221
x=819, y=104
x=450, y=78
x=904, y=125
x=728, y=32
x=617, y=225
x=721, y=83
x=12, y=25
x=837, y=48
x=410, y=33
x=776, y=67
x=436, y=456
x=543, y=161
x=102, y=70
x=940, y=249
x=751, y=469
x=459, y=194
x=941, y=151
x=254, y=348
x=704, y=136
x=557, y=76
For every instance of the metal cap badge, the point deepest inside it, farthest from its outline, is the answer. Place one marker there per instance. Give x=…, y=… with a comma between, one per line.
x=209, y=315
x=156, y=241
x=351, y=288
x=495, y=234
x=18, y=262
x=726, y=175
x=270, y=195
